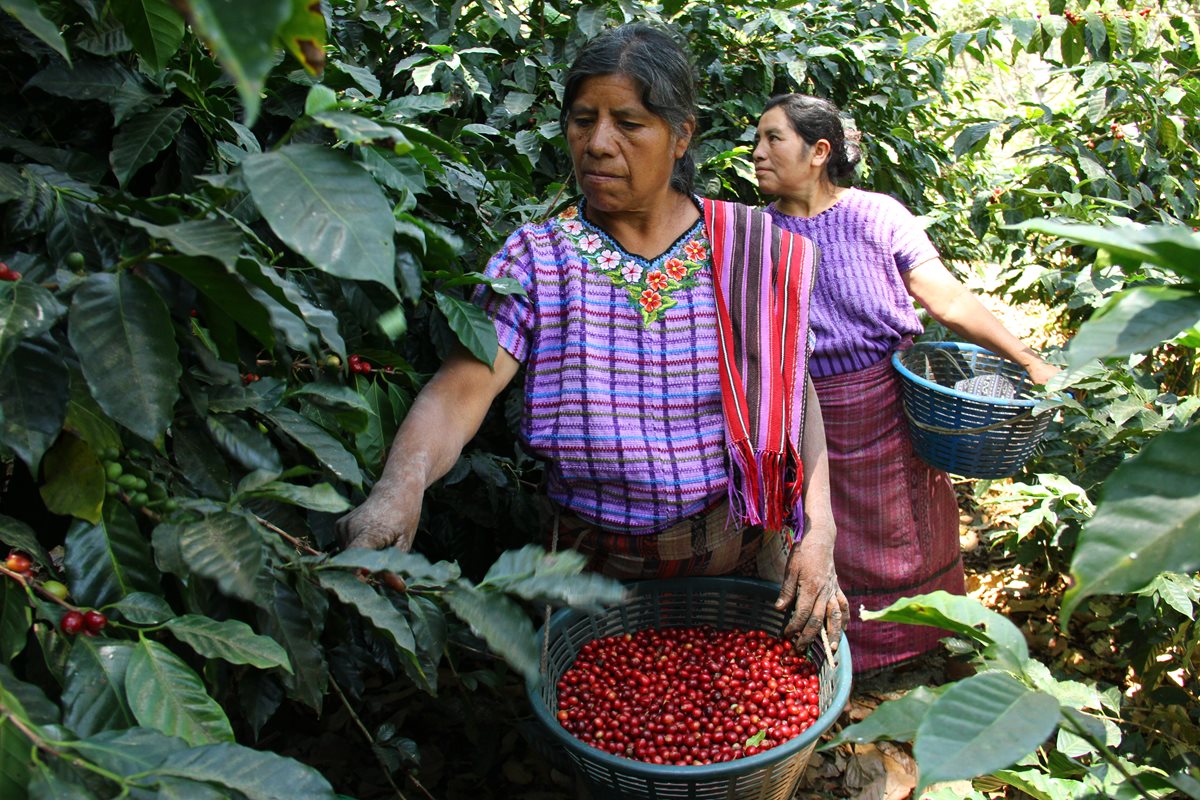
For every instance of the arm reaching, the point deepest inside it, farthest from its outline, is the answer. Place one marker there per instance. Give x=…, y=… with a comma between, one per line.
x=953, y=305
x=810, y=583
x=445, y=415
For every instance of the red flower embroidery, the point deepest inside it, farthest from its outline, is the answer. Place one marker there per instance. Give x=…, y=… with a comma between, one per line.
x=650, y=300
x=656, y=280
x=676, y=268
x=695, y=250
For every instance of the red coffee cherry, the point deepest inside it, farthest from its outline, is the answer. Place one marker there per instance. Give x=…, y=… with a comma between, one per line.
x=72, y=623
x=94, y=621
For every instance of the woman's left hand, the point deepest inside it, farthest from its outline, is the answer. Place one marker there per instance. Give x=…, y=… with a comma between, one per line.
x=810, y=588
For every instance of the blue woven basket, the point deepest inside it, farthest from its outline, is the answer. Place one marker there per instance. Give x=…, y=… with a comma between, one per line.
x=724, y=603
x=968, y=433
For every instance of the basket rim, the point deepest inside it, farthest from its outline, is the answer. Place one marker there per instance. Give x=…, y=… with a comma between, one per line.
x=708, y=772
x=913, y=377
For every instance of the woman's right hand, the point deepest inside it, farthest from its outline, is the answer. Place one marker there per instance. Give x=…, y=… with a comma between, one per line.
x=388, y=518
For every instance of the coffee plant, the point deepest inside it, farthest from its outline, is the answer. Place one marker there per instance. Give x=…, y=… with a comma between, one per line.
x=237, y=238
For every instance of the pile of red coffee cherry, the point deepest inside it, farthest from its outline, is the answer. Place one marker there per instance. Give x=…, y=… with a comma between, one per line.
x=688, y=695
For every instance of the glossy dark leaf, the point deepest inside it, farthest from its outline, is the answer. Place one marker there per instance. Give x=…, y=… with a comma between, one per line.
x=130, y=751
x=142, y=138
x=230, y=640
x=154, y=28
x=376, y=608
x=499, y=621
x=893, y=720
x=30, y=15
x=142, y=608
x=108, y=560
x=34, y=401
x=94, y=692
x=413, y=566
x=472, y=326
x=167, y=695
x=316, y=440
x=244, y=443
x=19, y=536
x=326, y=208
x=122, y=332
x=1136, y=321
x=226, y=548
x=290, y=623
x=202, y=238
x=255, y=774
x=15, y=619
x=26, y=310
x=319, y=497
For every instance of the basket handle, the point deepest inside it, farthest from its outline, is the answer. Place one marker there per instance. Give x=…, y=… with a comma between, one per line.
x=963, y=431
x=830, y=658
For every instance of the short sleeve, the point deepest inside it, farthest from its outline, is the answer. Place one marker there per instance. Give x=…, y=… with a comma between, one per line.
x=511, y=313
x=910, y=244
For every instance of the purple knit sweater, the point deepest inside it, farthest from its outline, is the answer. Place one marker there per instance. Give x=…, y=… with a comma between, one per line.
x=860, y=308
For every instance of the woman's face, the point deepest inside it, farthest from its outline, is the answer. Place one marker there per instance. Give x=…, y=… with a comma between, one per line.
x=623, y=153
x=783, y=162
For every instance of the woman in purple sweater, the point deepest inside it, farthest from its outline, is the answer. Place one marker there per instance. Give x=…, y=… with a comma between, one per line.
x=896, y=517
x=663, y=342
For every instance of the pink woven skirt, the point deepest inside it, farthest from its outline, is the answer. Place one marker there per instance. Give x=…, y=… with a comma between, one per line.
x=897, y=518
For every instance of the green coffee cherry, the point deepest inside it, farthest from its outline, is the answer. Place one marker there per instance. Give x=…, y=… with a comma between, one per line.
x=113, y=470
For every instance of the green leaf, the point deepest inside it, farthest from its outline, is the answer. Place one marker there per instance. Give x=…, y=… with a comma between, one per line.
x=894, y=720
x=142, y=608
x=26, y=310
x=291, y=624
x=122, y=332
x=354, y=129
x=15, y=620
x=327, y=209
x=415, y=568
x=74, y=480
x=321, y=497
x=29, y=15
x=347, y=405
x=154, y=28
x=1174, y=247
x=224, y=290
x=1145, y=524
x=471, y=325
x=35, y=706
x=108, y=560
x=964, y=616
x=94, y=689
x=14, y=761
x=231, y=640
x=34, y=402
x=983, y=723
x=256, y=775
x=227, y=548
x=48, y=784
x=214, y=238
x=303, y=34
x=312, y=437
x=372, y=605
x=288, y=294
x=1135, y=321
x=556, y=578
x=973, y=136
x=499, y=621
x=19, y=536
x=127, y=752
x=165, y=694
x=244, y=443
x=86, y=420
x=142, y=138
x=242, y=36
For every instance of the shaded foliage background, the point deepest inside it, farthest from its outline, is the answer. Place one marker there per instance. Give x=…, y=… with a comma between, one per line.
x=213, y=206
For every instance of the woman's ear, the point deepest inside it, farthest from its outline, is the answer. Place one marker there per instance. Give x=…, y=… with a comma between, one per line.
x=820, y=151
x=685, y=139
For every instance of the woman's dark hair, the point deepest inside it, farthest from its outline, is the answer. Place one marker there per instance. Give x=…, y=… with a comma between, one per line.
x=814, y=119
x=655, y=62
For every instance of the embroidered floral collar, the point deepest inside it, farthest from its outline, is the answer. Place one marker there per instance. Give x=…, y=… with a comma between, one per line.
x=650, y=284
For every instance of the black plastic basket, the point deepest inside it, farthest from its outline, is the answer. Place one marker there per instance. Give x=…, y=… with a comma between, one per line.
x=723, y=603
x=969, y=434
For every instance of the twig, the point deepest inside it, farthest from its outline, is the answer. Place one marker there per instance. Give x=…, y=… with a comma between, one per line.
x=287, y=537
x=1107, y=754
x=29, y=582
x=366, y=734
x=45, y=746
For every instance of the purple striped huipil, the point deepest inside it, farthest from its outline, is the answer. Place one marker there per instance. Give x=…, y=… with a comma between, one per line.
x=860, y=308
x=625, y=413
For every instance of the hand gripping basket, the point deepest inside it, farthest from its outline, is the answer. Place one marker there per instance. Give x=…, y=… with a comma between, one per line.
x=724, y=603
x=970, y=412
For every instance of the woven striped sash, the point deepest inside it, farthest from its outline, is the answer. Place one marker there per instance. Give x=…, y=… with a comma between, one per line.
x=763, y=276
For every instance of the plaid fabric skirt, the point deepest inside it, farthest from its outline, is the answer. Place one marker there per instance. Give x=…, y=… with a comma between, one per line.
x=708, y=543
x=897, y=517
